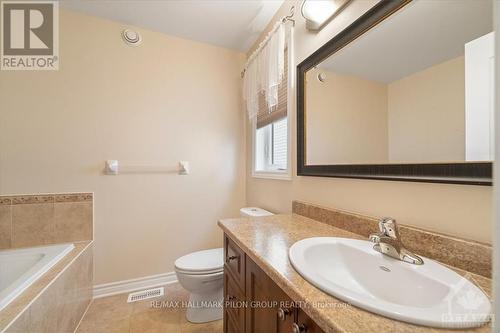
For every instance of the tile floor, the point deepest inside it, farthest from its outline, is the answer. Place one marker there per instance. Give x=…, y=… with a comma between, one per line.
x=114, y=315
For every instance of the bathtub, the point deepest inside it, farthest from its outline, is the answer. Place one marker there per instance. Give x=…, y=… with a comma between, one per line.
x=19, y=268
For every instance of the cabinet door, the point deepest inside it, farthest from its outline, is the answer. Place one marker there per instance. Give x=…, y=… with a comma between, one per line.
x=230, y=326
x=286, y=312
x=234, y=309
x=268, y=308
x=305, y=324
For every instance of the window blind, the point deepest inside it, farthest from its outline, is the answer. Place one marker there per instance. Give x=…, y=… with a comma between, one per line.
x=280, y=147
x=264, y=117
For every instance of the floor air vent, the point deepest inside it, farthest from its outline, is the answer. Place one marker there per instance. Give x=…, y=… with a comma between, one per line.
x=145, y=294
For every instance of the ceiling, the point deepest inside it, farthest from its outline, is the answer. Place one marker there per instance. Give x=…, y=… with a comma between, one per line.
x=234, y=24
x=424, y=33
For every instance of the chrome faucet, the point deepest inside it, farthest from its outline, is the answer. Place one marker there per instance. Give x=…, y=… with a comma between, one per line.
x=387, y=242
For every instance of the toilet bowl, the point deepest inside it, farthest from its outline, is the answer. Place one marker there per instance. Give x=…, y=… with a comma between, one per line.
x=201, y=273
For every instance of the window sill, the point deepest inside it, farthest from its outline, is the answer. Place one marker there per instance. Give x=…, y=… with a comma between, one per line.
x=272, y=175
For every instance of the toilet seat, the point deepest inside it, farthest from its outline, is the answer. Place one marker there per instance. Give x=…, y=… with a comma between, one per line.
x=208, y=272
x=201, y=262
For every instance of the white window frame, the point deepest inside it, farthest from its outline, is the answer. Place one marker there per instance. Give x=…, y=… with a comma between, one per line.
x=279, y=174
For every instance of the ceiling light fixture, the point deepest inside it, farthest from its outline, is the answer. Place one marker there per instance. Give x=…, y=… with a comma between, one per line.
x=319, y=12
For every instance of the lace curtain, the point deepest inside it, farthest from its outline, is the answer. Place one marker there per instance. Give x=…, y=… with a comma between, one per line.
x=264, y=71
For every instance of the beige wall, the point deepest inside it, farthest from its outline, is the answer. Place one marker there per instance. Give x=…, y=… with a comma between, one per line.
x=453, y=209
x=427, y=114
x=167, y=100
x=346, y=119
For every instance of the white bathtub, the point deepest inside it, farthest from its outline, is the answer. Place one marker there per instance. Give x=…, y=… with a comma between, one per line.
x=19, y=268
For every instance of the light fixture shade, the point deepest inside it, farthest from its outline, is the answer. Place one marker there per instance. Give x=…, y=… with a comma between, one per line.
x=319, y=12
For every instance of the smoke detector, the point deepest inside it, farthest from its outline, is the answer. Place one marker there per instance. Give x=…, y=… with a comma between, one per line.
x=131, y=37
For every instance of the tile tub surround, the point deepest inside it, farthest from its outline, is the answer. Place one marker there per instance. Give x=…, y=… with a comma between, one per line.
x=467, y=255
x=56, y=301
x=267, y=241
x=33, y=220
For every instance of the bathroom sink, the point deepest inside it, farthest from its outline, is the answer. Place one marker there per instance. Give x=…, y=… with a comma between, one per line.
x=428, y=294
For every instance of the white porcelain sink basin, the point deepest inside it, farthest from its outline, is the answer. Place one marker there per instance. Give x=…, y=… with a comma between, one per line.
x=428, y=294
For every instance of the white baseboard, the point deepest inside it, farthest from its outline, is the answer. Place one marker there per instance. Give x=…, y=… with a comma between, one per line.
x=126, y=286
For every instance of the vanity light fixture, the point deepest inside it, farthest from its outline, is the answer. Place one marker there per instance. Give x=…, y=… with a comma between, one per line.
x=319, y=12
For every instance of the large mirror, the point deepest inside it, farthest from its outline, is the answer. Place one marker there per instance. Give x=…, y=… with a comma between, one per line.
x=405, y=93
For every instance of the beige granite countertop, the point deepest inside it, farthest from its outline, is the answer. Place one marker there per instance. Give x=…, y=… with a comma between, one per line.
x=20, y=303
x=267, y=241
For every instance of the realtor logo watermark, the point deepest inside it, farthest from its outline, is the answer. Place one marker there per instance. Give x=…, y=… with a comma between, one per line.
x=30, y=35
x=467, y=304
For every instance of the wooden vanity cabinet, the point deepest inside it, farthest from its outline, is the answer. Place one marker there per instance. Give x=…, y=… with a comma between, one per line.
x=234, y=311
x=304, y=321
x=269, y=308
x=234, y=261
x=254, y=303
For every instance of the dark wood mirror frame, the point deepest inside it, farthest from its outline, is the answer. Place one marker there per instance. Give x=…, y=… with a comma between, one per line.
x=473, y=173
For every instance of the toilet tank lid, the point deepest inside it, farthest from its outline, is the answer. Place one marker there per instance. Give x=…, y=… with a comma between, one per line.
x=254, y=212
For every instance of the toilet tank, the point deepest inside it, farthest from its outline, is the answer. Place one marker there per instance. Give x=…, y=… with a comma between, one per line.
x=254, y=212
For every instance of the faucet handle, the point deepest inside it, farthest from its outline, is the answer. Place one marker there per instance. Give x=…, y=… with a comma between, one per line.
x=388, y=227
x=374, y=238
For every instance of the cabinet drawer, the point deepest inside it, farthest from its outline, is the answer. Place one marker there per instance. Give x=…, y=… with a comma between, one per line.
x=234, y=259
x=234, y=309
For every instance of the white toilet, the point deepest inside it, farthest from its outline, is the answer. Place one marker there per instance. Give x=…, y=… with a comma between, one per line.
x=201, y=273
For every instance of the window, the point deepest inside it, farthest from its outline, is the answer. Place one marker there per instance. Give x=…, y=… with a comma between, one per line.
x=271, y=136
x=271, y=147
